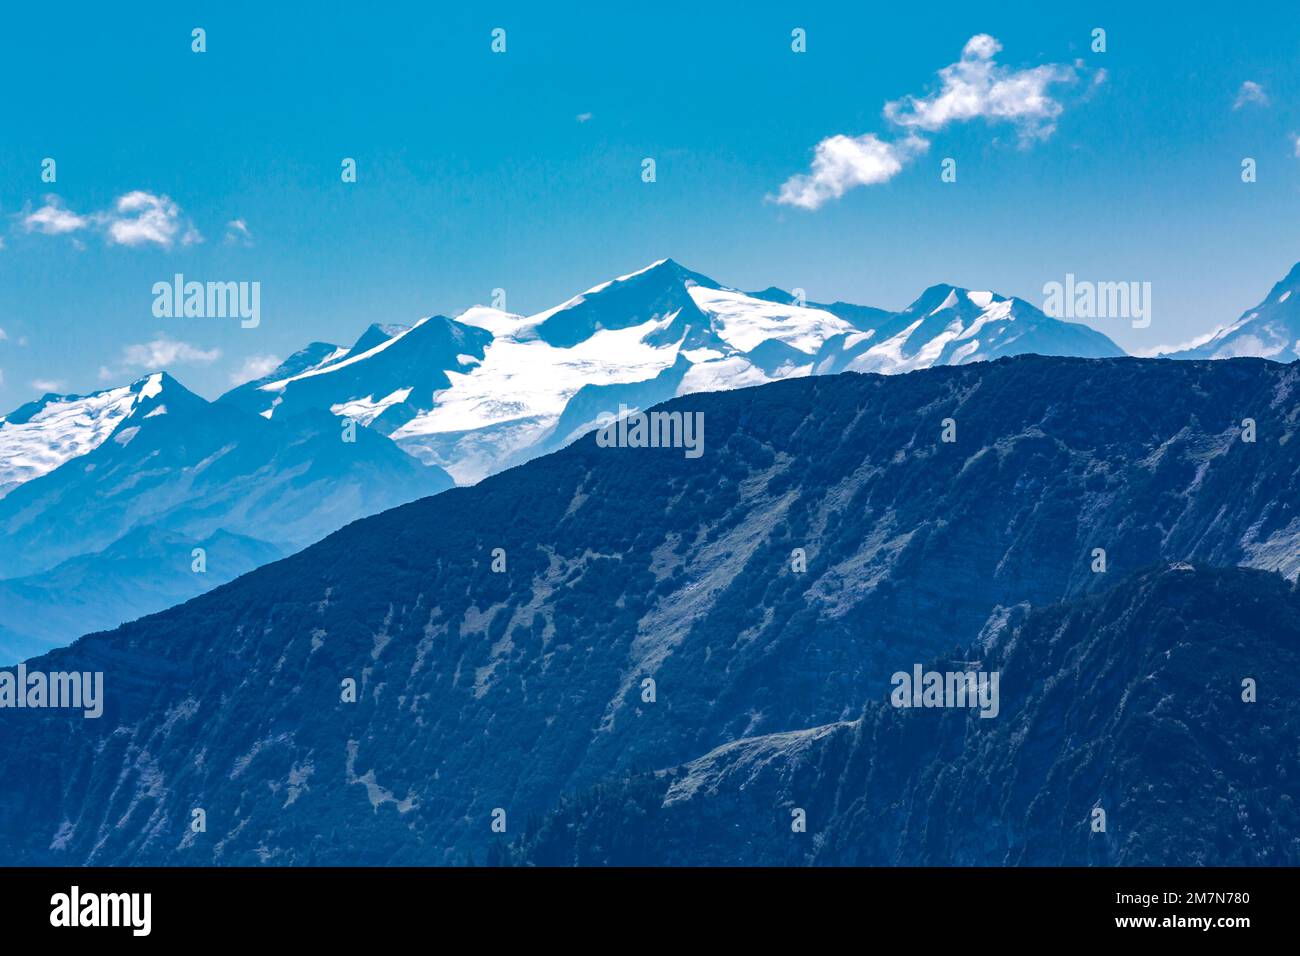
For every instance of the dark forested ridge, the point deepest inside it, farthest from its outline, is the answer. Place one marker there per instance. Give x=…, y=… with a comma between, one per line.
x=482, y=691
x=1130, y=702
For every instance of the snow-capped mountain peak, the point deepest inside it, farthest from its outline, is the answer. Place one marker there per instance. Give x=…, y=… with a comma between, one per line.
x=41, y=435
x=375, y=335
x=1270, y=330
x=658, y=290
x=388, y=377
x=944, y=298
x=376, y=339
x=950, y=325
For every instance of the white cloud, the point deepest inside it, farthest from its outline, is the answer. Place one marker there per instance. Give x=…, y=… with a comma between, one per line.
x=140, y=217
x=842, y=162
x=1250, y=92
x=3, y=337
x=977, y=87
x=1296, y=140
x=583, y=117
x=237, y=233
x=136, y=218
x=45, y=385
x=255, y=366
x=164, y=351
x=53, y=219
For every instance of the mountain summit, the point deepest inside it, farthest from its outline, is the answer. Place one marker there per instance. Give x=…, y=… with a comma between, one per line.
x=1270, y=330
x=38, y=437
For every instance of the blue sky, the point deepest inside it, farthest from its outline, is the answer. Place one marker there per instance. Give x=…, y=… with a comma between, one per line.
x=475, y=171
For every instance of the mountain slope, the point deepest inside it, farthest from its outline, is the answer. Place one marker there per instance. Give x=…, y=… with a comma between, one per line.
x=194, y=467
x=41, y=435
x=479, y=690
x=388, y=376
x=1129, y=701
x=144, y=571
x=152, y=471
x=1269, y=330
x=248, y=395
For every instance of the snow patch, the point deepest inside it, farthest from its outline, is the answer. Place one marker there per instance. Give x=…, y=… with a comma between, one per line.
x=366, y=410
x=744, y=322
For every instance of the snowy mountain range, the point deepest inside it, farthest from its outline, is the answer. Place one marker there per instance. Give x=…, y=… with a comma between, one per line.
x=489, y=389
x=142, y=469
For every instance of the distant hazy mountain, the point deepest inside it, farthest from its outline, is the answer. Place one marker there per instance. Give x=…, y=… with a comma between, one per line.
x=488, y=390
x=1270, y=330
x=145, y=570
x=1129, y=702
x=480, y=690
x=99, y=469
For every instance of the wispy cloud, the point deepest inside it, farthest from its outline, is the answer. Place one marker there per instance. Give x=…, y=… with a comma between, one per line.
x=47, y=385
x=140, y=218
x=1251, y=93
x=54, y=219
x=163, y=352
x=975, y=87
x=583, y=117
x=255, y=366
x=237, y=233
